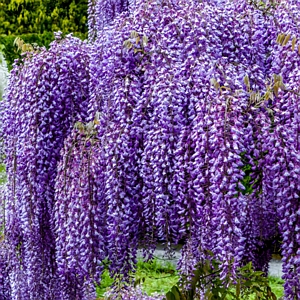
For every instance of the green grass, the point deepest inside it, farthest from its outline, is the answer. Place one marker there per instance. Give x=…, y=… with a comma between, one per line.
x=159, y=278
x=156, y=277
x=276, y=285
x=2, y=174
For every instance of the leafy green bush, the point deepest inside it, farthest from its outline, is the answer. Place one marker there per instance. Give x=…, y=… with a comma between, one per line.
x=249, y=284
x=157, y=278
x=43, y=39
x=154, y=277
x=29, y=16
x=276, y=285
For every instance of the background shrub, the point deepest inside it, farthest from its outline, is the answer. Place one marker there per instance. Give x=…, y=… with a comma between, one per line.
x=23, y=17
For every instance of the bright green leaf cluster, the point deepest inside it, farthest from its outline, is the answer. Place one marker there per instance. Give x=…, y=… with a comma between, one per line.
x=249, y=284
x=37, y=16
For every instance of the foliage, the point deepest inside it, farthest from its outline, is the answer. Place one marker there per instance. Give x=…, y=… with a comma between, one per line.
x=35, y=21
x=19, y=17
x=276, y=285
x=206, y=284
x=155, y=277
x=178, y=121
x=2, y=174
x=43, y=39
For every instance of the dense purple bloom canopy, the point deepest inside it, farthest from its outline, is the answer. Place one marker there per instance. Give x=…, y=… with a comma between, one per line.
x=178, y=121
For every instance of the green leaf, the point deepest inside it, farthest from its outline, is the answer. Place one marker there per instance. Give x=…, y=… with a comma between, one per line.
x=286, y=40
x=134, y=34
x=176, y=292
x=145, y=41
x=170, y=296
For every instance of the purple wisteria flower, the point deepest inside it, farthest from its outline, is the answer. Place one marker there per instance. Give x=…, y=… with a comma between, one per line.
x=80, y=215
x=178, y=121
x=47, y=92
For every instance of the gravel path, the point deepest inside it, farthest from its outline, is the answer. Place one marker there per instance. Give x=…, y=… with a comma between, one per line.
x=275, y=268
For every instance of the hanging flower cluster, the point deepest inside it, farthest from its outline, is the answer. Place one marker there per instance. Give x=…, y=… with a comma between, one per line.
x=80, y=214
x=178, y=90
x=5, y=289
x=178, y=122
x=47, y=92
x=281, y=140
x=102, y=13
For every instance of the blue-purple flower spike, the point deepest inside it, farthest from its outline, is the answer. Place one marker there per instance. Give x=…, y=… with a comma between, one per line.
x=177, y=121
x=47, y=92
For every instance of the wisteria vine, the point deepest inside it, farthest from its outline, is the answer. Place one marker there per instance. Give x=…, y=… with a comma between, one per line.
x=178, y=121
x=47, y=92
